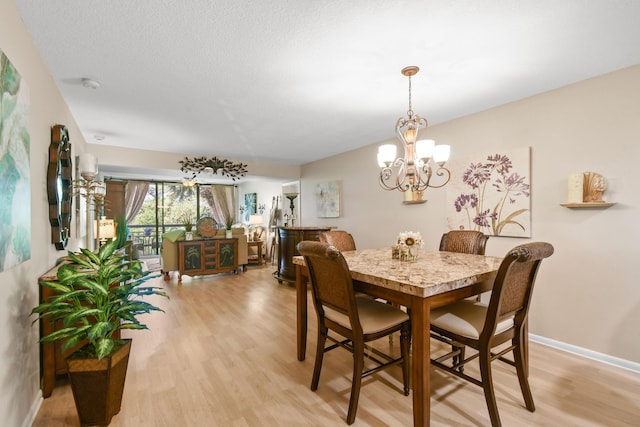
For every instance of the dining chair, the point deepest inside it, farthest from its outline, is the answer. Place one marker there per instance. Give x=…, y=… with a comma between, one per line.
x=469, y=323
x=340, y=239
x=356, y=320
x=464, y=241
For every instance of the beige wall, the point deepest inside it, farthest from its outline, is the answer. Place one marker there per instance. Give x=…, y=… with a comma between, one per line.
x=265, y=190
x=19, y=370
x=587, y=294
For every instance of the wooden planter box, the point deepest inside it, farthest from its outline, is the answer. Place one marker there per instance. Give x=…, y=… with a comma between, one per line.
x=97, y=385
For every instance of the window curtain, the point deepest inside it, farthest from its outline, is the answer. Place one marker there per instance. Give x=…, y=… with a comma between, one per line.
x=221, y=199
x=134, y=195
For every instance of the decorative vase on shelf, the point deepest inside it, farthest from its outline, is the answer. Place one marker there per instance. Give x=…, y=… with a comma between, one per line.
x=594, y=187
x=228, y=234
x=188, y=235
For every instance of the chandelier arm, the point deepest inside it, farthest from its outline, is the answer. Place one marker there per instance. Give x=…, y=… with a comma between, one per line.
x=402, y=166
x=400, y=124
x=387, y=172
x=441, y=171
x=385, y=175
x=401, y=185
x=423, y=120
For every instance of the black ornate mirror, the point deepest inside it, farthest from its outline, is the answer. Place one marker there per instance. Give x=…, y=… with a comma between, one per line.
x=59, y=186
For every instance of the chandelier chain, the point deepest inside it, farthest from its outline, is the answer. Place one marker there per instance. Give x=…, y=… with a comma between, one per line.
x=410, y=111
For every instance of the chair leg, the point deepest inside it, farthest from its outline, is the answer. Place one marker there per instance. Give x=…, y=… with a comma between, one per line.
x=521, y=368
x=405, y=344
x=524, y=341
x=487, y=385
x=322, y=339
x=358, y=367
x=460, y=357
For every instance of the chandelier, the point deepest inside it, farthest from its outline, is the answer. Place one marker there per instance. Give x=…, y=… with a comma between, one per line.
x=212, y=165
x=422, y=158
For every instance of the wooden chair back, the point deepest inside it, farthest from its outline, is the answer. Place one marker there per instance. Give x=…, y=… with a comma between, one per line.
x=340, y=239
x=331, y=281
x=513, y=287
x=464, y=241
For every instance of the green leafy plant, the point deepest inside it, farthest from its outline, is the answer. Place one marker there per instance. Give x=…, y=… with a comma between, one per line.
x=122, y=231
x=229, y=220
x=97, y=294
x=187, y=220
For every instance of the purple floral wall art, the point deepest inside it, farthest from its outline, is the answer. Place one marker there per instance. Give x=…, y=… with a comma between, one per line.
x=491, y=193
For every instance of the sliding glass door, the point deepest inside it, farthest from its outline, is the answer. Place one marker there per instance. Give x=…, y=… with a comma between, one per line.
x=169, y=206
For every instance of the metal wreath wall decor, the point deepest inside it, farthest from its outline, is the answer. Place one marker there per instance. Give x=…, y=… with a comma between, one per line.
x=213, y=165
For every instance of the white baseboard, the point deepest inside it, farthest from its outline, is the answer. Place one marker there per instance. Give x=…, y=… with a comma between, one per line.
x=600, y=357
x=31, y=416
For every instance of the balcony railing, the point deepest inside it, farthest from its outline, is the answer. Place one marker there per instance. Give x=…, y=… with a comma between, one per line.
x=145, y=239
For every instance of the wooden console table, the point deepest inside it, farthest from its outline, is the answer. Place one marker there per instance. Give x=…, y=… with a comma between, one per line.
x=258, y=245
x=289, y=238
x=51, y=356
x=207, y=256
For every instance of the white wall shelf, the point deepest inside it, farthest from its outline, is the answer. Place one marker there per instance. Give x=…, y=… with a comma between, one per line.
x=587, y=205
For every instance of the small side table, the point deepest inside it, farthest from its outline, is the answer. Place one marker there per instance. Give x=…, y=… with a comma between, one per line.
x=258, y=245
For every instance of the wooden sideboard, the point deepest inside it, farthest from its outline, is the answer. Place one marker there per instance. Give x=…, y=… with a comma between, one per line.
x=289, y=237
x=207, y=256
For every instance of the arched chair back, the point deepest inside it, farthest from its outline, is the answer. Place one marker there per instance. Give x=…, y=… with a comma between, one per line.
x=340, y=239
x=464, y=241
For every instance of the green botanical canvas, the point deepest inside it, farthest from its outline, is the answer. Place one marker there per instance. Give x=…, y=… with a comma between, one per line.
x=15, y=187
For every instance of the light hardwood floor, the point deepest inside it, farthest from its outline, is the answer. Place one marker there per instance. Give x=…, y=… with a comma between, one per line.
x=224, y=354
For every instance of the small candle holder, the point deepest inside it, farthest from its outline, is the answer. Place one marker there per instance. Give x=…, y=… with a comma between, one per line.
x=395, y=252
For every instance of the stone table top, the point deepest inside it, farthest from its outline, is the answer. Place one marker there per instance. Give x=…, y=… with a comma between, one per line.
x=433, y=273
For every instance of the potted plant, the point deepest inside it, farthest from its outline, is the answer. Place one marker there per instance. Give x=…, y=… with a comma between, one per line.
x=229, y=220
x=187, y=220
x=97, y=295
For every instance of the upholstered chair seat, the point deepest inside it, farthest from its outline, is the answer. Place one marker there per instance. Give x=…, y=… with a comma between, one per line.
x=374, y=317
x=466, y=318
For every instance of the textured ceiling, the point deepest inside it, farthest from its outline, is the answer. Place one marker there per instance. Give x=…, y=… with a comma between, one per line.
x=292, y=81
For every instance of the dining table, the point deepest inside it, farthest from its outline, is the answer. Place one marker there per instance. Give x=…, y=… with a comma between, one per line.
x=434, y=279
